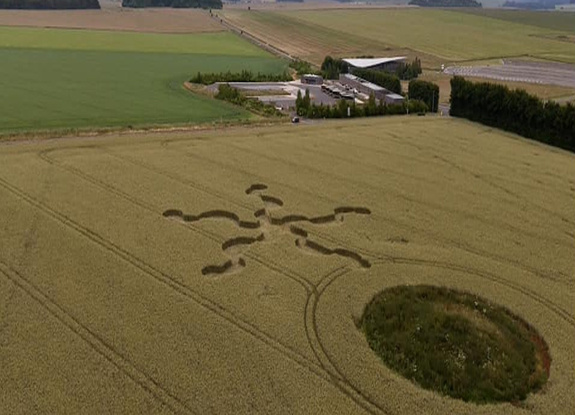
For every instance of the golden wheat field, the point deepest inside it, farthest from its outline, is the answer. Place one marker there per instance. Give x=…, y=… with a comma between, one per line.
x=223, y=271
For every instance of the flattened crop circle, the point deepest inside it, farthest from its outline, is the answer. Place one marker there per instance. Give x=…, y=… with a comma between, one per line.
x=456, y=343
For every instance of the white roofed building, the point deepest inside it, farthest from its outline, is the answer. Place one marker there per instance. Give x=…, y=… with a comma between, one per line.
x=378, y=64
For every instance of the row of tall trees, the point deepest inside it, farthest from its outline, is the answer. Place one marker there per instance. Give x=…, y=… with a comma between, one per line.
x=383, y=79
x=445, y=3
x=407, y=71
x=345, y=109
x=243, y=76
x=427, y=92
x=332, y=67
x=197, y=4
x=49, y=4
x=515, y=111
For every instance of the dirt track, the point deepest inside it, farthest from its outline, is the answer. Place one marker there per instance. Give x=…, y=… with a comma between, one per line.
x=521, y=71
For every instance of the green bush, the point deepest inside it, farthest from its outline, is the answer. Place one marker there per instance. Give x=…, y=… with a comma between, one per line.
x=427, y=92
x=407, y=71
x=233, y=95
x=332, y=67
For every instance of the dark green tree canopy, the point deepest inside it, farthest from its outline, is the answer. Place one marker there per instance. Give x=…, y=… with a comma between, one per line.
x=49, y=4
x=515, y=111
x=197, y=4
x=445, y=3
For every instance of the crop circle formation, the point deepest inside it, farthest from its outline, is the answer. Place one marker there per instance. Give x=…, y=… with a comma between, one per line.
x=456, y=343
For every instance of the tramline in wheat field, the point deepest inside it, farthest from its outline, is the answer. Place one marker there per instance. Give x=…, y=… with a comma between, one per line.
x=105, y=241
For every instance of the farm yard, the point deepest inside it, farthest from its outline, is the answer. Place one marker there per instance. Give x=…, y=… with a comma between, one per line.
x=81, y=79
x=224, y=271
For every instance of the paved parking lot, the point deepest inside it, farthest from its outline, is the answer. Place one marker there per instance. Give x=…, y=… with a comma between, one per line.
x=521, y=71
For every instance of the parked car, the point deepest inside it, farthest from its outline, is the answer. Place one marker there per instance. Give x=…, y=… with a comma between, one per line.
x=295, y=120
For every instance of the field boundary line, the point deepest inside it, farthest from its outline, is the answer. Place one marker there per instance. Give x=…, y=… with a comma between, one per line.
x=262, y=44
x=96, y=342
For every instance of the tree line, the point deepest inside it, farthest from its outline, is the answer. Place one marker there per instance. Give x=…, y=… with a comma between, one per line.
x=198, y=4
x=349, y=109
x=425, y=91
x=515, y=111
x=445, y=3
x=49, y=4
x=243, y=76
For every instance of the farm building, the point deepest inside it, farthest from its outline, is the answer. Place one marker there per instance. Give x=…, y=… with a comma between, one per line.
x=368, y=88
x=377, y=64
x=311, y=79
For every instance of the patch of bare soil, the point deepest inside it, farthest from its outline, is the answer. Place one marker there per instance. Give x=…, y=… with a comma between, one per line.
x=164, y=20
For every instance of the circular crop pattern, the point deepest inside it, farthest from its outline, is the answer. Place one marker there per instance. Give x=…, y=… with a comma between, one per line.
x=456, y=343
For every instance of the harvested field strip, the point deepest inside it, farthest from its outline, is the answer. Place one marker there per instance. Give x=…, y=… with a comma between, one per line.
x=116, y=19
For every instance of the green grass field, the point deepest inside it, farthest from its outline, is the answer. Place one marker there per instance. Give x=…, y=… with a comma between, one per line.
x=61, y=79
x=446, y=34
x=550, y=20
x=105, y=308
x=437, y=36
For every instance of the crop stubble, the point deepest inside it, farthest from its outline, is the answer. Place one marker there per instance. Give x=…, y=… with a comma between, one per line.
x=84, y=231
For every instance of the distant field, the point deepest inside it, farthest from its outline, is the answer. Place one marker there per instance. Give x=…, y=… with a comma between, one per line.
x=166, y=20
x=310, y=41
x=59, y=79
x=223, y=44
x=106, y=306
x=550, y=20
x=438, y=36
